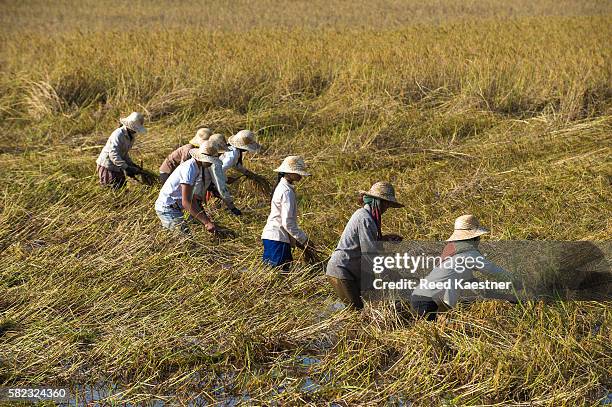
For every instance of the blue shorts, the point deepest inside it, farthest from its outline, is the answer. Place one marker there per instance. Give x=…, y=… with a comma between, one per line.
x=276, y=253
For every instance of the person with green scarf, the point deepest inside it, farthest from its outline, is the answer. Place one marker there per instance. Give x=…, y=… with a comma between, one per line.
x=360, y=234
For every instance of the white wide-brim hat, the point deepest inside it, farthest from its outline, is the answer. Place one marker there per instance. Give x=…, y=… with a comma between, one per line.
x=134, y=122
x=206, y=153
x=201, y=135
x=218, y=140
x=385, y=191
x=244, y=140
x=294, y=164
x=466, y=227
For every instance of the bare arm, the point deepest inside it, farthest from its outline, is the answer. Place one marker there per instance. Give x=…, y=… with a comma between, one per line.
x=195, y=209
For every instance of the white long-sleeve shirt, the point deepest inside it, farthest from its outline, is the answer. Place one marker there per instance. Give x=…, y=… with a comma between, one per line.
x=219, y=179
x=230, y=159
x=282, y=223
x=450, y=296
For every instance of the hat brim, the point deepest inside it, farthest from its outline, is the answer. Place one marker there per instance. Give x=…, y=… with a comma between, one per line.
x=466, y=234
x=290, y=171
x=251, y=148
x=393, y=204
x=138, y=128
x=205, y=158
x=195, y=142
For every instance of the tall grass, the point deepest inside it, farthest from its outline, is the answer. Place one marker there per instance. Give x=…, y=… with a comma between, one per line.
x=506, y=118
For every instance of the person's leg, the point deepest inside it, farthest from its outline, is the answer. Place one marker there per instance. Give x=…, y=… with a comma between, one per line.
x=348, y=291
x=172, y=219
x=424, y=307
x=276, y=254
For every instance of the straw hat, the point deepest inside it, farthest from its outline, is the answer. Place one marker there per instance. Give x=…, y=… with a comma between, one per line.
x=244, y=140
x=201, y=135
x=218, y=140
x=206, y=153
x=135, y=122
x=466, y=227
x=385, y=191
x=294, y=164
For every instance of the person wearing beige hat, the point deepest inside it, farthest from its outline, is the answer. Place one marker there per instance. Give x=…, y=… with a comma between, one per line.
x=182, y=153
x=218, y=186
x=114, y=162
x=177, y=193
x=460, y=251
x=239, y=144
x=281, y=231
x=360, y=235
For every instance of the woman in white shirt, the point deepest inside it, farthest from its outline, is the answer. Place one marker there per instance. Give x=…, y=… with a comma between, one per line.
x=282, y=232
x=240, y=143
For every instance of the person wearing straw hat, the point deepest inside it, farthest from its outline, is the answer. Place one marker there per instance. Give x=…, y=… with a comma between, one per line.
x=177, y=193
x=461, y=247
x=218, y=186
x=114, y=162
x=175, y=158
x=360, y=235
x=282, y=232
x=241, y=143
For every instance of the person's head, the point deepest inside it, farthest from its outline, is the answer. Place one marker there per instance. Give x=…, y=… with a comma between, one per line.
x=294, y=168
x=218, y=140
x=381, y=194
x=201, y=135
x=206, y=155
x=467, y=228
x=244, y=141
x=134, y=123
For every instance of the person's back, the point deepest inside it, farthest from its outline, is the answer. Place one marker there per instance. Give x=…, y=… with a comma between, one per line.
x=359, y=236
x=188, y=172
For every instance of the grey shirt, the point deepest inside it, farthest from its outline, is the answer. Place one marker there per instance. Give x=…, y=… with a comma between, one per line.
x=359, y=236
x=114, y=155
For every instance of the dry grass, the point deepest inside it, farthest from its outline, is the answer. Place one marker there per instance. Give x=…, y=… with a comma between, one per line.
x=507, y=119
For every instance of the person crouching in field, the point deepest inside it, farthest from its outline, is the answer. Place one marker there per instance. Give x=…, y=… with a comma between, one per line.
x=241, y=143
x=282, y=232
x=463, y=244
x=114, y=162
x=177, y=193
x=360, y=235
x=182, y=154
x=218, y=186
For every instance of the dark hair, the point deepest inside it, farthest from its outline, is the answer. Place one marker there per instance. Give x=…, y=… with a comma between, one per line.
x=279, y=176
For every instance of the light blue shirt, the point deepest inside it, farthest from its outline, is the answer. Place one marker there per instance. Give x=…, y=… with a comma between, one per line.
x=188, y=172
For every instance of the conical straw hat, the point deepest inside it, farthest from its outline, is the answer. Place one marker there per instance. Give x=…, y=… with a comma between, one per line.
x=206, y=153
x=201, y=135
x=218, y=140
x=244, y=140
x=383, y=190
x=467, y=227
x=134, y=122
x=294, y=164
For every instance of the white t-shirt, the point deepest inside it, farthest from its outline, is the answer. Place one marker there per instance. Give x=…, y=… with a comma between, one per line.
x=188, y=172
x=230, y=159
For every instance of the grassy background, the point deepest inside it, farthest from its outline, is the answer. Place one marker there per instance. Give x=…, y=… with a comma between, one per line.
x=503, y=111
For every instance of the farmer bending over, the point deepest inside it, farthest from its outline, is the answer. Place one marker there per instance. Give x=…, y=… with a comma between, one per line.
x=177, y=194
x=182, y=154
x=282, y=232
x=114, y=162
x=360, y=235
x=241, y=143
x=463, y=244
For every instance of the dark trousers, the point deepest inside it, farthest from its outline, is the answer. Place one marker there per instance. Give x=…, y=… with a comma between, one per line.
x=349, y=291
x=108, y=178
x=424, y=307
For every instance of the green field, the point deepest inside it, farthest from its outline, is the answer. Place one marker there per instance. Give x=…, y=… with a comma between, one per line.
x=503, y=111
